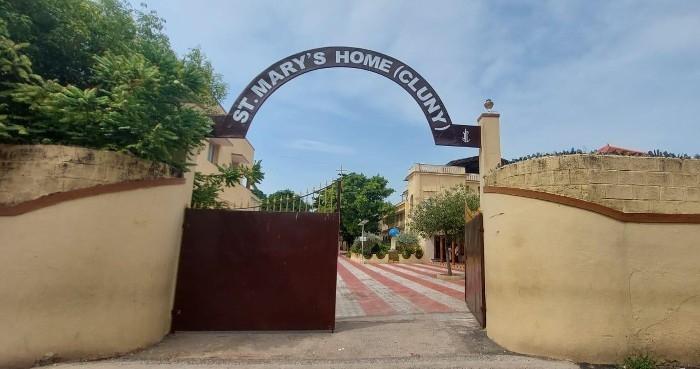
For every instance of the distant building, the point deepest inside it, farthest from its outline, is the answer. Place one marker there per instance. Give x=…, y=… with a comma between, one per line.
x=228, y=151
x=424, y=181
x=614, y=150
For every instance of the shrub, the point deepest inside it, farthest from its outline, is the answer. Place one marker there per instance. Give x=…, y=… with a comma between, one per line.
x=407, y=252
x=98, y=74
x=419, y=253
x=381, y=255
x=372, y=245
x=639, y=362
x=407, y=239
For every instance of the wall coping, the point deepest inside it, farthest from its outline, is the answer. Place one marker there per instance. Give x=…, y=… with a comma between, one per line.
x=595, y=208
x=59, y=197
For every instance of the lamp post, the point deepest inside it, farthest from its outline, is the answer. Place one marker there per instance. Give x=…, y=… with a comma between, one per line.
x=362, y=238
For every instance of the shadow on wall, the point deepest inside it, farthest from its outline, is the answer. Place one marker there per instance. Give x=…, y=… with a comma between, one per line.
x=570, y=279
x=91, y=276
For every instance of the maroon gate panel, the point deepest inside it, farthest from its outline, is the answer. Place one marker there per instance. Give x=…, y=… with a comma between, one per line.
x=474, y=291
x=250, y=270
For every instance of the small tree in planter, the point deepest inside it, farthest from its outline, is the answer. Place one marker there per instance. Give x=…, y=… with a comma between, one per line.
x=419, y=253
x=372, y=245
x=445, y=213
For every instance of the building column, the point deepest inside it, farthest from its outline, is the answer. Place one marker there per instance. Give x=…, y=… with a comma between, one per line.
x=490, y=151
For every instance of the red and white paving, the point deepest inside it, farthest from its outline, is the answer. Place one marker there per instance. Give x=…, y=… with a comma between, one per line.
x=394, y=289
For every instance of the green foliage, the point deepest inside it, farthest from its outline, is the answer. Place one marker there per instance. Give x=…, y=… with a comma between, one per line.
x=381, y=254
x=362, y=198
x=419, y=253
x=407, y=239
x=254, y=175
x=571, y=151
x=639, y=362
x=444, y=213
x=258, y=193
x=407, y=252
x=98, y=74
x=372, y=245
x=208, y=187
x=665, y=154
x=371, y=241
x=285, y=200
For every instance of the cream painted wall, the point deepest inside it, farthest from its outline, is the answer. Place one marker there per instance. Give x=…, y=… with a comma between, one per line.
x=91, y=277
x=567, y=283
x=238, y=196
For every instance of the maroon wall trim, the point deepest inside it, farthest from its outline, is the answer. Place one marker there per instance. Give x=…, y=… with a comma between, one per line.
x=59, y=197
x=596, y=208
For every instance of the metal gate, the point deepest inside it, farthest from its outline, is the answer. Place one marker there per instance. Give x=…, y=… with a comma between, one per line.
x=253, y=270
x=474, y=291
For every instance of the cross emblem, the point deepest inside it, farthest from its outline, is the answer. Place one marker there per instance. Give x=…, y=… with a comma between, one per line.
x=465, y=136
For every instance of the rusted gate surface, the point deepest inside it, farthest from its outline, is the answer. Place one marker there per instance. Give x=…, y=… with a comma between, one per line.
x=474, y=292
x=251, y=270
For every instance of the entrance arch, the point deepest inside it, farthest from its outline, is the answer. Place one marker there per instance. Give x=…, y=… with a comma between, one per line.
x=237, y=121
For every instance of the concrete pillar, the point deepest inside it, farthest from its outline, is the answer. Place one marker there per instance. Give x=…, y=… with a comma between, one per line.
x=490, y=151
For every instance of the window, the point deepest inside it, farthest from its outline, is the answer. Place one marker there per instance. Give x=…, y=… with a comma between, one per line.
x=213, y=153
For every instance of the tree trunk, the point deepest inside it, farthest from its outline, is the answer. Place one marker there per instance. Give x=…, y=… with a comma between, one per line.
x=442, y=249
x=449, y=256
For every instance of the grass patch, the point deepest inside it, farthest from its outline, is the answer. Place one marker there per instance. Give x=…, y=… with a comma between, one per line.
x=639, y=362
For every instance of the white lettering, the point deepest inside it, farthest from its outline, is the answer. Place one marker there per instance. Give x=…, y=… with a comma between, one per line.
x=241, y=116
x=357, y=57
x=261, y=88
x=431, y=104
x=372, y=61
x=412, y=84
x=244, y=104
x=385, y=65
x=342, y=55
x=300, y=62
x=422, y=94
x=287, y=68
x=439, y=118
x=319, y=58
x=405, y=73
x=274, y=77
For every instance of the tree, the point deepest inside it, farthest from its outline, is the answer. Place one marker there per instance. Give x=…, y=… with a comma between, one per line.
x=444, y=214
x=362, y=198
x=253, y=175
x=285, y=200
x=208, y=187
x=99, y=74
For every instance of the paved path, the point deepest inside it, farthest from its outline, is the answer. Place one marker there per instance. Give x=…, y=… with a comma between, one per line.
x=394, y=289
x=388, y=316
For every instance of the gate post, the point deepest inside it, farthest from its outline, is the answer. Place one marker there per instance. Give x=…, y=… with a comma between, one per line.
x=490, y=151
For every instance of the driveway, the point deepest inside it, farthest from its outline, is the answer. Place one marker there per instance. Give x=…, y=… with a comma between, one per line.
x=387, y=316
x=395, y=289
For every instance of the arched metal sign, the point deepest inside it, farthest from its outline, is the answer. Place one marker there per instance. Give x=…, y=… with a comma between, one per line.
x=243, y=110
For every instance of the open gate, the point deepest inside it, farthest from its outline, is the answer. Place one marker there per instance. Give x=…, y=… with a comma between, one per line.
x=474, y=291
x=254, y=270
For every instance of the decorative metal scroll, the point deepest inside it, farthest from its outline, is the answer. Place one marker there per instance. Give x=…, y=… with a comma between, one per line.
x=243, y=110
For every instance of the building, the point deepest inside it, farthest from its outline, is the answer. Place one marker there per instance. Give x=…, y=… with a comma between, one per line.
x=424, y=181
x=609, y=149
x=234, y=152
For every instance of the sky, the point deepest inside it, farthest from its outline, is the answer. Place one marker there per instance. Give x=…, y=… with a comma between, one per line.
x=561, y=73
